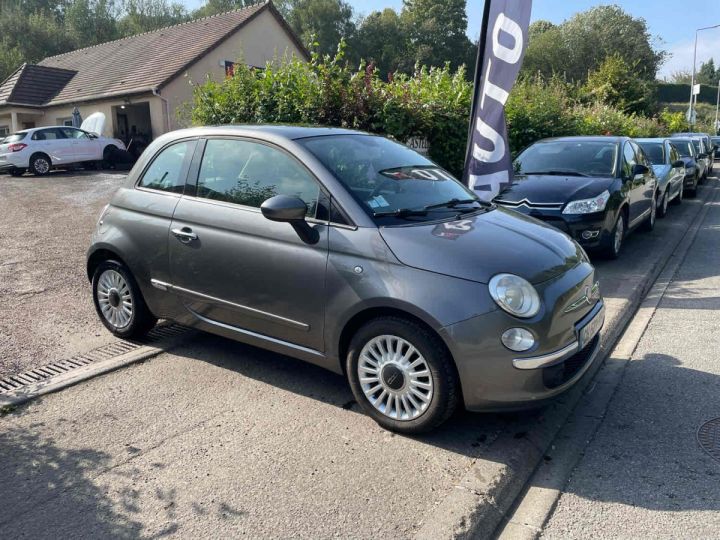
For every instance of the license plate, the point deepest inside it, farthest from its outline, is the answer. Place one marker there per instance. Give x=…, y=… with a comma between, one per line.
x=590, y=330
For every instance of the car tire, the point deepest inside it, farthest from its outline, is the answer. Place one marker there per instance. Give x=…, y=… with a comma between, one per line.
x=119, y=302
x=17, y=172
x=108, y=159
x=411, y=394
x=617, y=237
x=40, y=164
x=662, y=206
x=679, y=197
x=649, y=224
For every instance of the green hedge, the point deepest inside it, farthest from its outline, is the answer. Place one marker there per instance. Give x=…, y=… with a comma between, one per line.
x=432, y=103
x=679, y=93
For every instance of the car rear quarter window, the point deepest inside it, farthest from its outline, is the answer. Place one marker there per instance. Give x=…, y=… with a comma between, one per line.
x=248, y=173
x=15, y=137
x=167, y=170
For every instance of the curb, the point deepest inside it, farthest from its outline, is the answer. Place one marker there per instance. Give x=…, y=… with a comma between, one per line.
x=480, y=501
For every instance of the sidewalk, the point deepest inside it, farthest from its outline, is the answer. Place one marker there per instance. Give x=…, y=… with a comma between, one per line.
x=644, y=475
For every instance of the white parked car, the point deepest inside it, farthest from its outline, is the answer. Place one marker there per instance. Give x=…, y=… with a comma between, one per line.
x=39, y=150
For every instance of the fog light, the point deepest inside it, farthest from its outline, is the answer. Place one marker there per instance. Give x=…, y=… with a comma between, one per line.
x=517, y=339
x=587, y=235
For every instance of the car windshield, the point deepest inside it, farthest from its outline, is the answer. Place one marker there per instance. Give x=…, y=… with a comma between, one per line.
x=715, y=140
x=575, y=158
x=655, y=151
x=392, y=182
x=683, y=147
x=15, y=137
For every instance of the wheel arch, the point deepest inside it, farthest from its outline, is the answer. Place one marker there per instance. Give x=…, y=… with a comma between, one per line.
x=100, y=255
x=367, y=314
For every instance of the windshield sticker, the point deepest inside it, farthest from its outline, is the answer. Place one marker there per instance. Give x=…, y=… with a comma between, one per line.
x=378, y=202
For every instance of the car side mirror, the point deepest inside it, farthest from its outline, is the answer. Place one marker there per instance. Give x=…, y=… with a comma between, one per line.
x=638, y=170
x=678, y=163
x=292, y=210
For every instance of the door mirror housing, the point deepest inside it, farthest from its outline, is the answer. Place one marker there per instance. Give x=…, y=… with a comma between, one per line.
x=678, y=163
x=284, y=208
x=292, y=210
x=638, y=170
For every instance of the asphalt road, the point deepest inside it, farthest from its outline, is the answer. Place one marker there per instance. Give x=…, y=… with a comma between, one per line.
x=215, y=438
x=644, y=475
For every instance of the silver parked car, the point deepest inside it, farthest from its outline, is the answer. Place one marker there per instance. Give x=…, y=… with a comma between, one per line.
x=354, y=253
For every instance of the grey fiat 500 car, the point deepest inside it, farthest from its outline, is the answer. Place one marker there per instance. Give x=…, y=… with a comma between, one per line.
x=354, y=253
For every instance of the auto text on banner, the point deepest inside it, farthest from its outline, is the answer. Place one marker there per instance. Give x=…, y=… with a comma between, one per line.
x=488, y=167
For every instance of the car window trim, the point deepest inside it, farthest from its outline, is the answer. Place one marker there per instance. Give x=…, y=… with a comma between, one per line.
x=183, y=171
x=194, y=177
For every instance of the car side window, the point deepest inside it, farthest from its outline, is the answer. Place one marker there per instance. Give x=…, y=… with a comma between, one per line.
x=674, y=156
x=629, y=160
x=248, y=173
x=165, y=173
x=72, y=133
x=50, y=134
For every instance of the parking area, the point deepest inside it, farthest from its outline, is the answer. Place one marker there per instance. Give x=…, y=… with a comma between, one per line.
x=215, y=435
x=46, y=312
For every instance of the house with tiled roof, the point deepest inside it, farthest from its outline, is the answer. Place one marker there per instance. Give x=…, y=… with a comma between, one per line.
x=142, y=83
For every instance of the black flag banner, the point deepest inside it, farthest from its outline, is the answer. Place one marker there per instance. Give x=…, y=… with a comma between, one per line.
x=488, y=167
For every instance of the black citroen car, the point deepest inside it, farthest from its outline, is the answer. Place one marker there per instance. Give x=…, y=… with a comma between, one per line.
x=596, y=189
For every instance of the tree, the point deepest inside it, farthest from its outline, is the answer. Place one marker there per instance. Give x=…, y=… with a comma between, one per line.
x=436, y=31
x=146, y=15
x=581, y=44
x=708, y=74
x=381, y=39
x=615, y=83
x=213, y=7
x=325, y=21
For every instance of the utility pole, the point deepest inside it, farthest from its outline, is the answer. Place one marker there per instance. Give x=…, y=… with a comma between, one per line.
x=717, y=108
x=691, y=108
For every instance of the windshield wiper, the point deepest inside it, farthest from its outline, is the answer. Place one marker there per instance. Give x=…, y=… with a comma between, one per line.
x=401, y=212
x=452, y=203
x=555, y=173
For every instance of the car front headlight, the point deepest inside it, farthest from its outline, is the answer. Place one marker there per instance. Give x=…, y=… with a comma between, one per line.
x=515, y=295
x=690, y=169
x=588, y=206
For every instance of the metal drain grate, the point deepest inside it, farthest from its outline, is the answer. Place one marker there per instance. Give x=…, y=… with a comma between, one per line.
x=709, y=438
x=16, y=382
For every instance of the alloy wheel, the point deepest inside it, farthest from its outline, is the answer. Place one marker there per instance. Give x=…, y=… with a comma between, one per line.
x=395, y=378
x=114, y=297
x=41, y=165
x=619, y=233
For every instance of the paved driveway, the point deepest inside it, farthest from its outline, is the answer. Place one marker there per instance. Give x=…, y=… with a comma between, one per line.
x=215, y=438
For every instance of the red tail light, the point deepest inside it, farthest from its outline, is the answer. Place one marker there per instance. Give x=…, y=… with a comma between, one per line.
x=16, y=147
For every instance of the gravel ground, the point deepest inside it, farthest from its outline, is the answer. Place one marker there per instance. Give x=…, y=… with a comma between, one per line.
x=46, y=310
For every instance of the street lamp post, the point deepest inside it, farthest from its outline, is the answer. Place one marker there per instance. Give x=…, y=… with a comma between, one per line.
x=691, y=109
x=717, y=108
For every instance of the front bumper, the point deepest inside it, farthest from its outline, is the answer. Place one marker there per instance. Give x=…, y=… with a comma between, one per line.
x=494, y=378
x=589, y=230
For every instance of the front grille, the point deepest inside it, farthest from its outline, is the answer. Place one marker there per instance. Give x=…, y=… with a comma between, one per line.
x=561, y=373
x=529, y=204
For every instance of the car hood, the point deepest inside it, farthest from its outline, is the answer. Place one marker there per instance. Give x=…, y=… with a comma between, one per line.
x=478, y=247
x=95, y=123
x=547, y=189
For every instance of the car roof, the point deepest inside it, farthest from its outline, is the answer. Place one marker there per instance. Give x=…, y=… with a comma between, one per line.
x=276, y=131
x=587, y=138
x=652, y=139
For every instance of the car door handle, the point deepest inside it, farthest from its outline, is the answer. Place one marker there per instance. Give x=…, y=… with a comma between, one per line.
x=185, y=234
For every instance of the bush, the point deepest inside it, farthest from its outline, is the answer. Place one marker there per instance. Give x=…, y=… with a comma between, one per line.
x=432, y=103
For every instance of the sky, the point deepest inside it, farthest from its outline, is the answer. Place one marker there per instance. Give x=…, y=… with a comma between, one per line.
x=672, y=26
